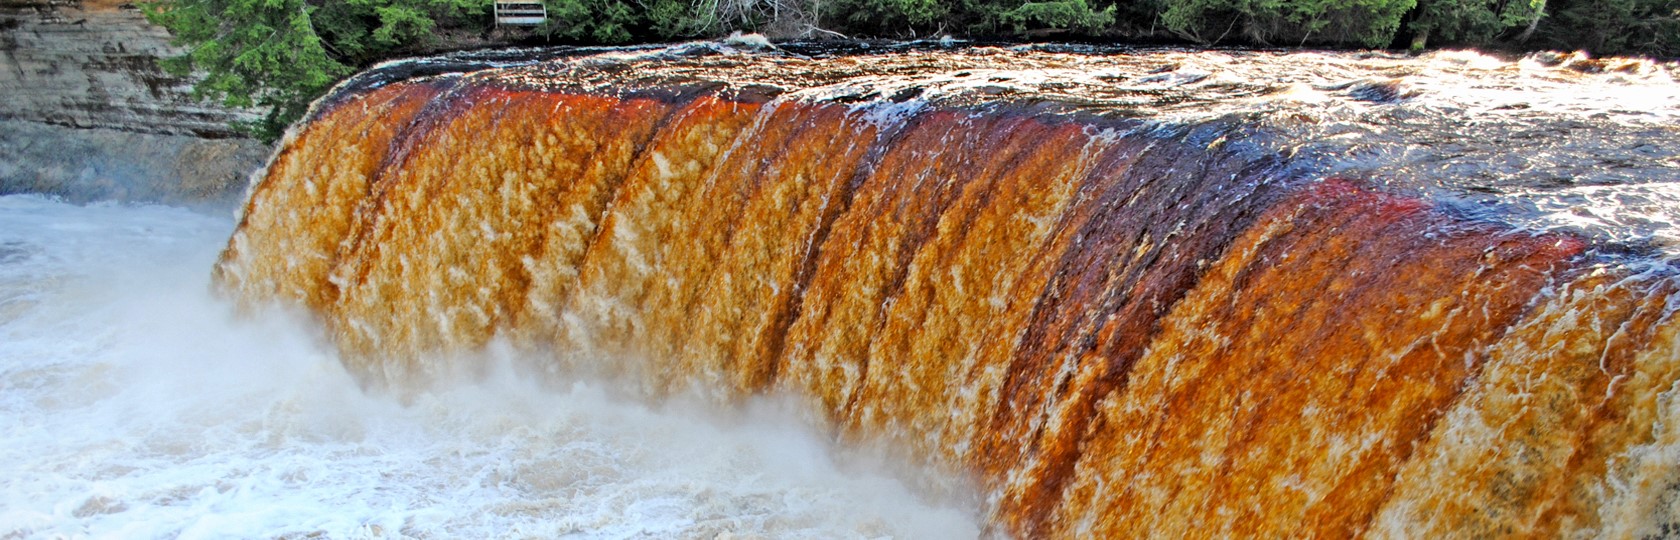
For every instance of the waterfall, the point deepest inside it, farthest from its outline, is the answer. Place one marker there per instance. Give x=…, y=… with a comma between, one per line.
x=1123, y=324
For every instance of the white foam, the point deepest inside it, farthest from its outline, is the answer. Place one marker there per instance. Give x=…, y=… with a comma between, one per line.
x=137, y=406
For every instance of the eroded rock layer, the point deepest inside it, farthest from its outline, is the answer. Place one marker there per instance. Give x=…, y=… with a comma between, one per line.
x=90, y=114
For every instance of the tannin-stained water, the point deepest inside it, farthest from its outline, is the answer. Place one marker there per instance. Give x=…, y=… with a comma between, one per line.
x=136, y=405
x=1132, y=293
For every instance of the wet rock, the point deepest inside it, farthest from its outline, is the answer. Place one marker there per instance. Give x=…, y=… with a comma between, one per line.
x=1380, y=91
x=94, y=164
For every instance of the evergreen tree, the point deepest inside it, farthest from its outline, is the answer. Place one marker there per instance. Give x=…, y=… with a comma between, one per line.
x=1650, y=27
x=280, y=55
x=1474, y=22
x=251, y=53
x=598, y=21
x=1370, y=23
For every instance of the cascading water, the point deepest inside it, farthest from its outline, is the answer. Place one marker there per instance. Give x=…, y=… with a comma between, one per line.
x=1132, y=293
x=136, y=406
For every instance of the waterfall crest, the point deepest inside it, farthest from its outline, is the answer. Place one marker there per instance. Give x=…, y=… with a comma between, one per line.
x=1125, y=326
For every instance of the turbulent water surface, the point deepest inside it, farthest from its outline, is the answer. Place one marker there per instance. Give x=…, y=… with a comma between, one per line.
x=1135, y=293
x=1125, y=293
x=138, y=406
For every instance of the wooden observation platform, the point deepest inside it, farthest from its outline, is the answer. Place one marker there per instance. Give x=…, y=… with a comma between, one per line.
x=520, y=13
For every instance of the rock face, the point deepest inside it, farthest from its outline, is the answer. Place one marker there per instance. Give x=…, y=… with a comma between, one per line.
x=90, y=114
x=110, y=164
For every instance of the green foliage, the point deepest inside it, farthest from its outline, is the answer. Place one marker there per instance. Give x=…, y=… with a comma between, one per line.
x=280, y=55
x=1058, y=14
x=1650, y=27
x=671, y=19
x=1472, y=22
x=897, y=18
x=363, y=31
x=906, y=18
x=251, y=53
x=1027, y=18
x=593, y=21
x=1370, y=23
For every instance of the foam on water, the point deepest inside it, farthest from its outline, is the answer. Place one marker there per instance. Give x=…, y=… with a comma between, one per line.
x=137, y=406
x=1546, y=142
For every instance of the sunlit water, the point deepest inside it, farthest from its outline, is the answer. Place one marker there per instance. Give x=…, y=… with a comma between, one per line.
x=1545, y=142
x=135, y=405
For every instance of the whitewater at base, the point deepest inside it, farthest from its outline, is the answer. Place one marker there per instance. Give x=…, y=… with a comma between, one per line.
x=137, y=405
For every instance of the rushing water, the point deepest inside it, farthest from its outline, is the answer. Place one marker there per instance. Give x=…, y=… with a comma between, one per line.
x=136, y=405
x=1153, y=293
x=1132, y=293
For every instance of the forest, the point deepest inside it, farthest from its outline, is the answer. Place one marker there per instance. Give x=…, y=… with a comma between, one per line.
x=279, y=55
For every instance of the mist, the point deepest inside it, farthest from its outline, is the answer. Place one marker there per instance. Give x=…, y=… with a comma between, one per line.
x=139, y=405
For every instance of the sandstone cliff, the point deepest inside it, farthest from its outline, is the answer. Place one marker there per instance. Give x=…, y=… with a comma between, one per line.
x=90, y=114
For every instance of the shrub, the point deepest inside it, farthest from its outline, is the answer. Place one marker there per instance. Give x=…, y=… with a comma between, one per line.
x=1649, y=27
x=1370, y=23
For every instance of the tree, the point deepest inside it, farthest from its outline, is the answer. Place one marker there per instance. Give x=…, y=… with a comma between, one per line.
x=592, y=21
x=1612, y=27
x=365, y=31
x=280, y=55
x=1474, y=22
x=250, y=53
x=1371, y=23
x=1051, y=15
x=902, y=18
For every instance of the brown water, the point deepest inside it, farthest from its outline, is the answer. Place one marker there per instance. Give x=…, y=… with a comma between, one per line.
x=1134, y=293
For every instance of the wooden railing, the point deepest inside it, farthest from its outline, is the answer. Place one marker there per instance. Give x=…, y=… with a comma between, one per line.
x=521, y=13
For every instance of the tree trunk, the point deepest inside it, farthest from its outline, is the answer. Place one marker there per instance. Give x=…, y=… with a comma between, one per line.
x=1539, y=13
